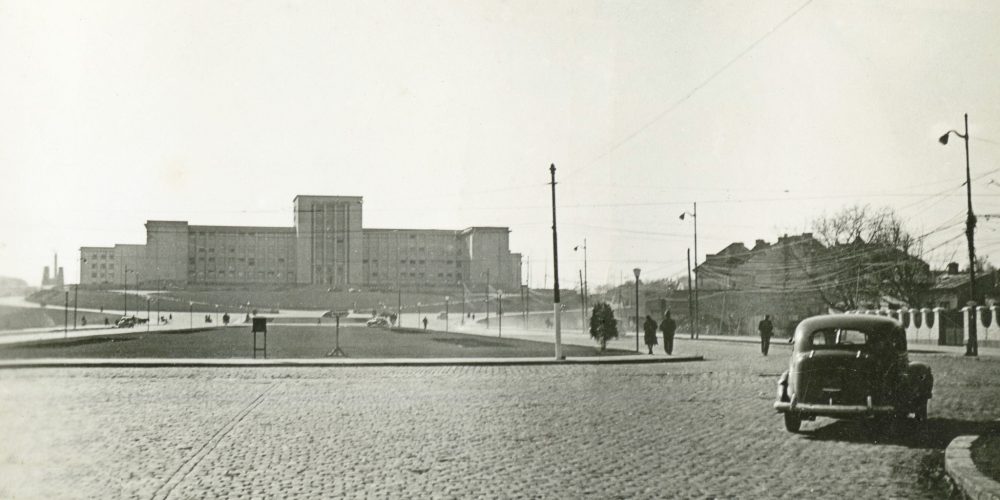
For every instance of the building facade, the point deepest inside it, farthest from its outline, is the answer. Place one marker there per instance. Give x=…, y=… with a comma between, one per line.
x=326, y=245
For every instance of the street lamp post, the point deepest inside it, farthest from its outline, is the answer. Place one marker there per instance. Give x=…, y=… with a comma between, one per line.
x=500, y=313
x=217, y=314
x=585, y=287
x=446, y=300
x=636, y=271
x=524, y=304
x=694, y=217
x=76, y=290
x=147, y=314
x=972, y=348
x=463, y=303
x=191, y=314
x=125, y=295
x=487, y=296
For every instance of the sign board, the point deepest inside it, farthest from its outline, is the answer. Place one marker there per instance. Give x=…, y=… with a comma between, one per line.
x=260, y=325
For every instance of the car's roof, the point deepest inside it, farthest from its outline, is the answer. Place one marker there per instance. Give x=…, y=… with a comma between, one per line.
x=866, y=322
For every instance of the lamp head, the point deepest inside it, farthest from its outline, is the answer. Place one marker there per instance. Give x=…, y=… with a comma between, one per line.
x=636, y=271
x=682, y=216
x=944, y=138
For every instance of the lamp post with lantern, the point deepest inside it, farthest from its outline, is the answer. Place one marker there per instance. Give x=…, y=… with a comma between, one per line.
x=636, y=271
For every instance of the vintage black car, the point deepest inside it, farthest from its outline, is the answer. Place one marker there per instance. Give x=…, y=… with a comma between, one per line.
x=852, y=366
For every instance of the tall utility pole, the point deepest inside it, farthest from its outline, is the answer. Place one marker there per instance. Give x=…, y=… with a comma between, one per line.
x=463, y=303
x=636, y=272
x=690, y=301
x=66, y=316
x=584, y=287
x=487, y=296
x=697, y=286
x=583, y=306
x=125, y=280
x=972, y=348
x=555, y=265
x=76, y=289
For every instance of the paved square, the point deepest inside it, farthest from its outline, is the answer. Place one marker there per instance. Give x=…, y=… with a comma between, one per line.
x=699, y=430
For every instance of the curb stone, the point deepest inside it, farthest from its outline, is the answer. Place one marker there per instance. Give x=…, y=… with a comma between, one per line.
x=331, y=362
x=958, y=463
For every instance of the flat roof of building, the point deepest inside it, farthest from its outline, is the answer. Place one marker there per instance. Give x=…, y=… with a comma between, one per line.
x=237, y=229
x=326, y=197
x=401, y=230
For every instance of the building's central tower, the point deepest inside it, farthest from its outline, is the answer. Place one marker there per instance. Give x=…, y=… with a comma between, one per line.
x=328, y=240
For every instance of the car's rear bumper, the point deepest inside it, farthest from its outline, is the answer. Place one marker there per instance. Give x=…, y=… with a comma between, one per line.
x=822, y=410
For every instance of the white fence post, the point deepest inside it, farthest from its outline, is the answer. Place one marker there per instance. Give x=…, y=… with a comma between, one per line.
x=965, y=324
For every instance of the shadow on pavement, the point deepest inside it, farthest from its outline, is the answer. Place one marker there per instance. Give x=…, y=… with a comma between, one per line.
x=936, y=433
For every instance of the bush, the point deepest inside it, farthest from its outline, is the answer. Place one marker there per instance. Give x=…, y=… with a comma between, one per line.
x=603, y=325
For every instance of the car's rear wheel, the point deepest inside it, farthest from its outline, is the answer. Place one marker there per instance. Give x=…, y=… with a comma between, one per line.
x=792, y=422
x=881, y=426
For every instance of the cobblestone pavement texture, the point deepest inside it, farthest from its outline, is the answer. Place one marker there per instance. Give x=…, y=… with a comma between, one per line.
x=690, y=430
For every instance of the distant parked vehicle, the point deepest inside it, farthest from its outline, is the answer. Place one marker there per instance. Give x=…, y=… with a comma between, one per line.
x=378, y=322
x=130, y=321
x=852, y=366
x=126, y=322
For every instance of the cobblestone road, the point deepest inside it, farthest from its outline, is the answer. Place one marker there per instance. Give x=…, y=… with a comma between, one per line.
x=692, y=430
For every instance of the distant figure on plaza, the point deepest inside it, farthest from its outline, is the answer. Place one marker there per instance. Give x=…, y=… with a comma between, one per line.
x=225, y=319
x=669, y=327
x=106, y=322
x=102, y=309
x=766, y=329
x=83, y=322
x=171, y=315
x=425, y=322
x=649, y=327
x=548, y=323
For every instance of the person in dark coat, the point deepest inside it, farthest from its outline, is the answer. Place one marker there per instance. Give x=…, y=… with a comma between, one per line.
x=766, y=329
x=649, y=327
x=669, y=327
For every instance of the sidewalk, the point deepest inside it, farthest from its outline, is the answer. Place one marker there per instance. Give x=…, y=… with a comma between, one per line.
x=626, y=340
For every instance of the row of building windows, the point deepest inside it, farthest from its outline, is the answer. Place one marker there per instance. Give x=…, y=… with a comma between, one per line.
x=241, y=274
x=422, y=275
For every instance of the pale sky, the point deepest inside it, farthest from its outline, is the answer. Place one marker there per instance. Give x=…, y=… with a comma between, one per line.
x=448, y=114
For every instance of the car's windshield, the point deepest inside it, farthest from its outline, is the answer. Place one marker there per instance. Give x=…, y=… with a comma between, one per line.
x=843, y=338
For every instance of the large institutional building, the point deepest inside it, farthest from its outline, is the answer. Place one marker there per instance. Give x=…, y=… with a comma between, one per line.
x=325, y=246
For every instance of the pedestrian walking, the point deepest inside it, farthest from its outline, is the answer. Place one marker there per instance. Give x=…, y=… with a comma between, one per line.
x=668, y=326
x=649, y=327
x=425, y=322
x=766, y=329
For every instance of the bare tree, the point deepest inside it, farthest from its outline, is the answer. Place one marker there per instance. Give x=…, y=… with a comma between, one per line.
x=870, y=257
